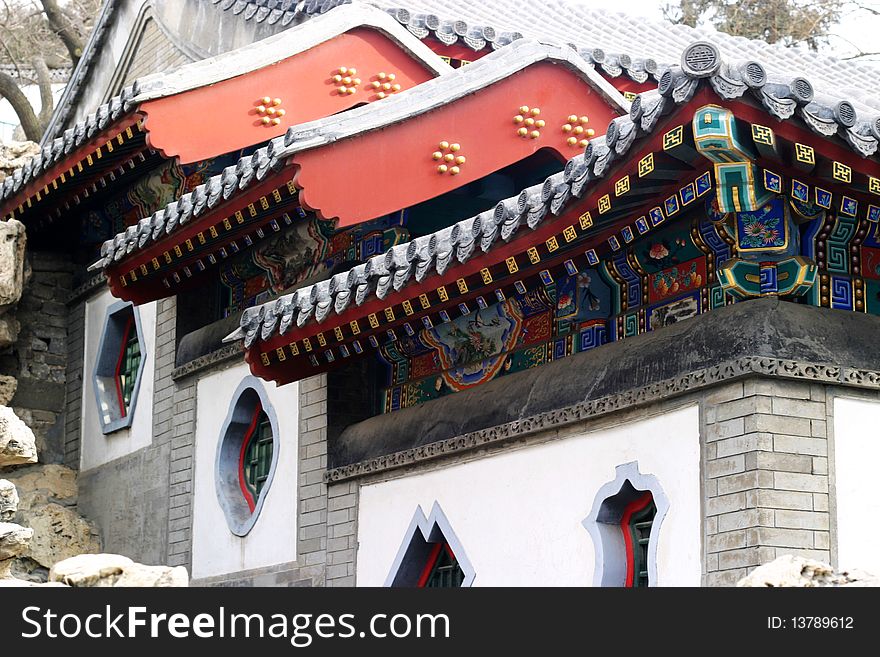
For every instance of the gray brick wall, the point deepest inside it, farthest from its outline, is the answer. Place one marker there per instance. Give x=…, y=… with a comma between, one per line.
x=342, y=533
x=76, y=319
x=174, y=410
x=153, y=52
x=765, y=458
x=39, y=357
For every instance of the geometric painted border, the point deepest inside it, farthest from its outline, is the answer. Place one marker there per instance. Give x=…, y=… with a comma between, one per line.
x=666, y=389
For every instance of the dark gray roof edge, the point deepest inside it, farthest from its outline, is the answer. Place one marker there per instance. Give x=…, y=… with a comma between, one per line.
x=72, y=90
x=80, y=133
x=446, y=30
x=393, y=270
x=412, y=102
x=210, y=71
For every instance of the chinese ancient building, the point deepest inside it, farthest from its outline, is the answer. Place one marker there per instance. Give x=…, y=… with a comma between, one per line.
x=438, y=293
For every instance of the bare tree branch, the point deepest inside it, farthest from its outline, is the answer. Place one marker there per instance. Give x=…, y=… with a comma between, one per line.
x=44, y=81
x=29, y=121
x=60, y=23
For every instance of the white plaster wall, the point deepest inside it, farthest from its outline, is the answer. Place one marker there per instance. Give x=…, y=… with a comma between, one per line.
x=856, y=459
x=215, y=549
x=96, y=448
x=518, y=514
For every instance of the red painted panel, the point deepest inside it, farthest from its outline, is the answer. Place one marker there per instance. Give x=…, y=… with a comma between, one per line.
x=673, y=281
x=224, y=117
x=375, y=173
x=624, y=83
x=457, y=50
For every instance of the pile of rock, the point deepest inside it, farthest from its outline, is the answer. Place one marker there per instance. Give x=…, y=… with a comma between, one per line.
x=789, y=570
x=17, y=446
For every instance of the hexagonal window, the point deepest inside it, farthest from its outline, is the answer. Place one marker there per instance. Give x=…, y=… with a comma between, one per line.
x=121, y=357
x=246, y=457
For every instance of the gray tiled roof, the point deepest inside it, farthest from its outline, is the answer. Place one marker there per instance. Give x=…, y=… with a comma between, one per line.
x=420, y=258
x=616, y=42
x=399, y=107
x=80, y=73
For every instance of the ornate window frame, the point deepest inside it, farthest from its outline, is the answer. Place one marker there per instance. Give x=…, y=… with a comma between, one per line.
x=419, y=541
x=603, y=525
x=120, y=318
x=237, y=427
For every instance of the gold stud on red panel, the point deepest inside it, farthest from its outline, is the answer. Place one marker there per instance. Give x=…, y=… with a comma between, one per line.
x=270, y=111
x=345, y=81
x=449, y=159
x=577, y=130
x=384, y=84
x=528, y=123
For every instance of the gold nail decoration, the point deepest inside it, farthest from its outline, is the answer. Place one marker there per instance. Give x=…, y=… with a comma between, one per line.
x=382, y=83
x=575, y=125
x=344, y=78
x=527, y=118
x=270, y=111
x=447, y=161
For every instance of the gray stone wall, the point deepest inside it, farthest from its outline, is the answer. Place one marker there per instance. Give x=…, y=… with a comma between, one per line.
x=765, y=454
x=128, y=501
x=39, y=358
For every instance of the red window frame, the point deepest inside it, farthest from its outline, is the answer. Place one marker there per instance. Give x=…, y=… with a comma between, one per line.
x=245, y=441
x=433, y=556
x=632, y=508
x=129, y=326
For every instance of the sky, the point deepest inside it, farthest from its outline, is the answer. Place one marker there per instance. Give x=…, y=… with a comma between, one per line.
x=859, y=27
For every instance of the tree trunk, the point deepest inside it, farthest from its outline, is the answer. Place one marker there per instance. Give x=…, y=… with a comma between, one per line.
x=62, y=27
x=44, y=81
x=29, y=121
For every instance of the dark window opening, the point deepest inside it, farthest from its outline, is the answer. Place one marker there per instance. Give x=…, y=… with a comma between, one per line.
x=256, y=457
x=636, y=527
x=441, y=570
x=127, y=366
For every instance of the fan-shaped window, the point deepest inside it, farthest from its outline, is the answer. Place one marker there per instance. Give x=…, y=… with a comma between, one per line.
x=118, y=369
x=638, y=516
x=246, y=457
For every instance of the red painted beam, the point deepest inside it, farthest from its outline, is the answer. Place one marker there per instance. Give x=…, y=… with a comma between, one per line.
x=374, y=173
x=225, y=116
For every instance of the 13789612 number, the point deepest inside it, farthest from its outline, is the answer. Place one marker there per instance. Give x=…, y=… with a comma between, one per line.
x=821, y=622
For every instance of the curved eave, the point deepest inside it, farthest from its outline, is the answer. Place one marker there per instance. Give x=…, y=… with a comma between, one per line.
x=284, y=158
x=301, y=334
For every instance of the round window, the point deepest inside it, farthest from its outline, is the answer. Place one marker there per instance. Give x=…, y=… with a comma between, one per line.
x=246, y=457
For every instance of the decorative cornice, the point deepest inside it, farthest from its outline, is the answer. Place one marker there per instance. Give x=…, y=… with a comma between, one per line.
x=94, y=283
x=208, y=361
x=662, y=390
